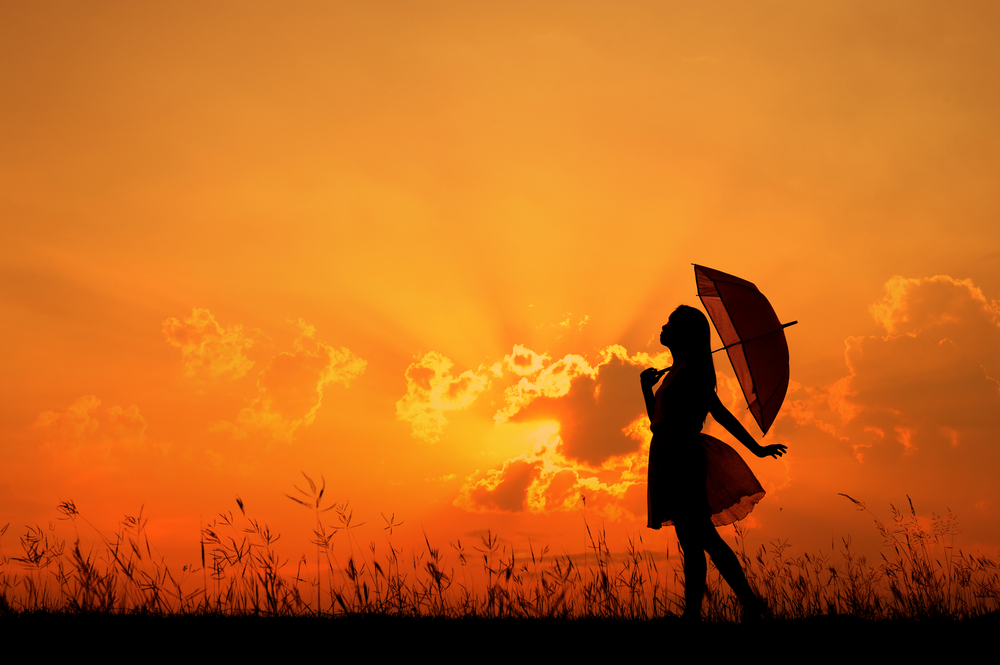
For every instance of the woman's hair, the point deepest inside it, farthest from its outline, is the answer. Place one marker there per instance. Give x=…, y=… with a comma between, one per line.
x=695, y=339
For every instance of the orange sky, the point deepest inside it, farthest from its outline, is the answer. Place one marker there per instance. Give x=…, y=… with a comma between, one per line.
x=404, y=245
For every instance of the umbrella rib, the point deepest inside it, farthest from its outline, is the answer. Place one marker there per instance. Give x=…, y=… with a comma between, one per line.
x=744, y=341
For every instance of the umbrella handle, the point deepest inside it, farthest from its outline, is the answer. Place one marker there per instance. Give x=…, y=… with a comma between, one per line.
x=744, y=341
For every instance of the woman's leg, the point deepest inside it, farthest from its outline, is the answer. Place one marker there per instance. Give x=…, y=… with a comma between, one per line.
x=695, y=569
x=696, y=538
x=725, y=560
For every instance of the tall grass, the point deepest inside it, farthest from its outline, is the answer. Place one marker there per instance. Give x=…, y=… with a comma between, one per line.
x=919, y=575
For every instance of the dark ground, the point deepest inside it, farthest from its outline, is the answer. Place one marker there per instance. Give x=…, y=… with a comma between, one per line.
x=364, y=638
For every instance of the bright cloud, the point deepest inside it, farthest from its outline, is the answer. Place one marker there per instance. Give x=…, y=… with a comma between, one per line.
x=910, y=306
x=553, y=381
x=592, y=439
x=593, y=404
x=290, y=389
x=542, y=480
x=523, y=361
x=431, y=390
x=207, y=349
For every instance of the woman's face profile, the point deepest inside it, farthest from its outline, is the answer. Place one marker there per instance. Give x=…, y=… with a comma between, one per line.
x=665, y=332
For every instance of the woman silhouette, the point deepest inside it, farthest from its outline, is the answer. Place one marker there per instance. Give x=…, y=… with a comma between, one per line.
x=697, y=482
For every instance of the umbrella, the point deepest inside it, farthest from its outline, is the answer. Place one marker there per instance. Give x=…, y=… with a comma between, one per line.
x=752, y=336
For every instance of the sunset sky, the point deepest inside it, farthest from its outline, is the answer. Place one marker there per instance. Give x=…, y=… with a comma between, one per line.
x=424, y=249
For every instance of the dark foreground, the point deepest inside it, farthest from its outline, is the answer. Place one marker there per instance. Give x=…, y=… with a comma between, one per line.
x=201, y=637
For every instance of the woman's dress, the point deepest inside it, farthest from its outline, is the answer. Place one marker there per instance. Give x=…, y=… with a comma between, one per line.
x=693, y=476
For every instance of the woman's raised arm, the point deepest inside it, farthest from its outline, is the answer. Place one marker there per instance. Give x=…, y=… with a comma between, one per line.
x=648, y=379
x=736, y=428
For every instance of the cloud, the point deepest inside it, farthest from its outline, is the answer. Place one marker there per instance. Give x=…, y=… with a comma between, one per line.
x=523, y=361
x=922, y=389
x=290, y=389
x=592, y=403
x=567, y=322
x=85, y=425
x=553, y=381
x=911, y=306
x=431, y=390
x=207, y=349
x=506, y=489
x=541, y=480
x=592, y=439
x=567, y=325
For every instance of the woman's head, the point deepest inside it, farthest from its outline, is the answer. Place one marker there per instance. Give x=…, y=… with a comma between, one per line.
x=687, y=334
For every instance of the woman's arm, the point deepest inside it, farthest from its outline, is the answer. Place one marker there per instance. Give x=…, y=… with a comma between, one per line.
x=648, y=379
x=736, y=428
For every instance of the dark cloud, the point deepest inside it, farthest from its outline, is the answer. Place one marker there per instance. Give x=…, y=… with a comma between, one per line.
x=594, y=413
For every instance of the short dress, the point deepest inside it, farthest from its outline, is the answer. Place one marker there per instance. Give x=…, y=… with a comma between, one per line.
x=693, y=476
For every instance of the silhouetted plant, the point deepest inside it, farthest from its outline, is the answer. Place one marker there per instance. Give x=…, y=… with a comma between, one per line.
x=920, y=575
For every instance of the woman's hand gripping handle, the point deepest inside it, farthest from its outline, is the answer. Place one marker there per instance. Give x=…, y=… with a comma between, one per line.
x=648, y=379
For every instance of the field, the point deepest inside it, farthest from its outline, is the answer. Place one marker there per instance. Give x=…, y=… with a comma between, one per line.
x=921, y=589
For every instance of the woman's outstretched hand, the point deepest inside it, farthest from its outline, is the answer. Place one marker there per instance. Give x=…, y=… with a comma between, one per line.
x=775, y=450
x=650, y=376
x=729, y=421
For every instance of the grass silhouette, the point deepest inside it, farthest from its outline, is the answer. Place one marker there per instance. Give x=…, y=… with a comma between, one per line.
x=919, y=576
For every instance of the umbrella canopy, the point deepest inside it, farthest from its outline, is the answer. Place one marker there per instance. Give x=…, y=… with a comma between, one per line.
x=752, y=336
